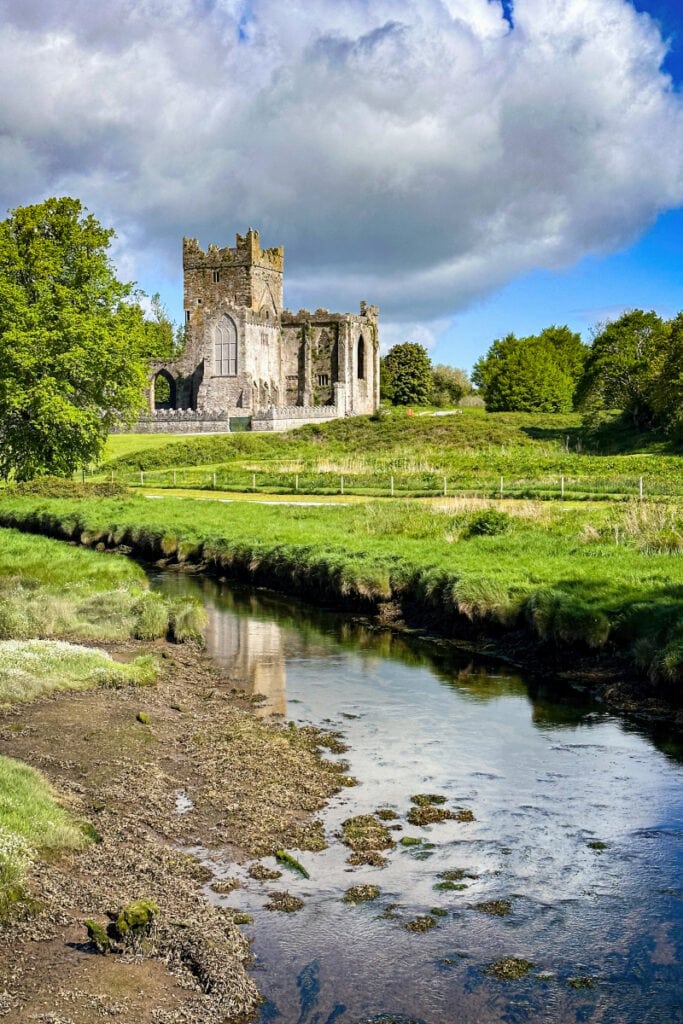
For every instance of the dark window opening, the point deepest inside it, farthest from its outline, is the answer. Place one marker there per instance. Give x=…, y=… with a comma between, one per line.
x=323, y=380
x=216, y=276
x=187, y=316
x=361, y=358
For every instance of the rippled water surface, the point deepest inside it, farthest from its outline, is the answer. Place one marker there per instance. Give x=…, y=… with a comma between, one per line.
x=602, y=924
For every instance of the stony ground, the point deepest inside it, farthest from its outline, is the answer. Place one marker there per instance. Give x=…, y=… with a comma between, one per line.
x=253, y=786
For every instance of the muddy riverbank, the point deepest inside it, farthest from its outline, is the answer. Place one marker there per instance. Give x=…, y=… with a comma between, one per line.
x=155, y=770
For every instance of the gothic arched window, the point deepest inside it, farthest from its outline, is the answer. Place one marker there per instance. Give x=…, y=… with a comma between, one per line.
x=361, y=358
x=225, y=348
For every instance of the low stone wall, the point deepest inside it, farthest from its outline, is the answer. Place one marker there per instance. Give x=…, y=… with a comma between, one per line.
x=181, y=421
x=292, y=416
x=188, y=421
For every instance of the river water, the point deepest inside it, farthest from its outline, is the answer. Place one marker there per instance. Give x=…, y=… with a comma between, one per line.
x=578, y=827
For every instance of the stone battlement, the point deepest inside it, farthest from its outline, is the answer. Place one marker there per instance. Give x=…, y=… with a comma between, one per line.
x=246, y=252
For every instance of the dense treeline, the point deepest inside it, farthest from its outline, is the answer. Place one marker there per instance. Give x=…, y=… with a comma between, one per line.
x=633, y=368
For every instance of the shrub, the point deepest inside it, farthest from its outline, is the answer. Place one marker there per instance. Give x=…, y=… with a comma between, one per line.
x=488, y=523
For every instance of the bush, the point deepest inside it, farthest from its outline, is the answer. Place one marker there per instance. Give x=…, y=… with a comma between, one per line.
x=488, y=523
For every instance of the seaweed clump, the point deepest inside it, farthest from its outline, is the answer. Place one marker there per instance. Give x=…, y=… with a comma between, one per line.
x=262, y=873
x=365, y=835
x=428, y=814
x=225, y=885
x=361, y=893
x=285, y=902
x=128, y=928
x=423, y=923
x=508, y=968
x=288, y=861
x=497, y=908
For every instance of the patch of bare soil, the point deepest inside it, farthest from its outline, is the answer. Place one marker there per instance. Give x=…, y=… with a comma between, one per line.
x=204, y=772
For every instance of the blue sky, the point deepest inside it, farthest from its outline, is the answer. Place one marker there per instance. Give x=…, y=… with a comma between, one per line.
x=471, y=167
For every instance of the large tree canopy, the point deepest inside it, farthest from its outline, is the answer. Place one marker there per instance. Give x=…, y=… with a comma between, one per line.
x=624, y=368
x=406, y=374
x=73, y=340
x=538, y=373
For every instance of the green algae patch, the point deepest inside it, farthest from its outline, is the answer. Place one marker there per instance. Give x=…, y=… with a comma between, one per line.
x=495, y=908
x=597, y=844
x=428, y=814
x=134, y=922
x=361, y=894
x=290, y=862
x=284, y=902
x=143, y=718
x=366, y=833
x=386, y=814
x=581, y=982
x=243, y=918
x=448, y=886
x=423, y=923
x=425, y=799
x=410, y=841
x=438, y=912
x=508, y=968
x=464, y=814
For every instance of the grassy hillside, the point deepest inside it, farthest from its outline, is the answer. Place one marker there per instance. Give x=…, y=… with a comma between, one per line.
x=538, y=456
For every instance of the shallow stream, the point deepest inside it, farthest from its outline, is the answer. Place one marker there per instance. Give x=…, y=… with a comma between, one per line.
x=578, y=830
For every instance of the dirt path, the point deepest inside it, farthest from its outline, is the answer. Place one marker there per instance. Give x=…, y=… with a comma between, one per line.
x=204, y=772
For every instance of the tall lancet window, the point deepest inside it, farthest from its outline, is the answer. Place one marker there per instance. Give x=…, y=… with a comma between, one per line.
x=225, y=353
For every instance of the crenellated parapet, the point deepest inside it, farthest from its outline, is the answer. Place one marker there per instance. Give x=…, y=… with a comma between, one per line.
x=246, y=252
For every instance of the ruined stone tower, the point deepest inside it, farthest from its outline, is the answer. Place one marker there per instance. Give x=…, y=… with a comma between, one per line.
x=246, y=355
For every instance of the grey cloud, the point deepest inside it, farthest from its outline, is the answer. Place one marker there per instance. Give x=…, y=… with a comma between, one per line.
x=417, y=155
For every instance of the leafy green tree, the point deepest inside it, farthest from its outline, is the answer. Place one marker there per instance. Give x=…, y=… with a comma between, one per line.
x=667, y=392
x=406, y=374
x=570, y=351
x=73, y=340
x=624, y=368
x=524, y=375
x=449, y=384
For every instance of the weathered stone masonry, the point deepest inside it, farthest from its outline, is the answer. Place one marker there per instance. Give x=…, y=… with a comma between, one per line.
x=247, y=356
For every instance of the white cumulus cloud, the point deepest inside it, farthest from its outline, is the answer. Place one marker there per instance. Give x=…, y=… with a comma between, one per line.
x=417, y=155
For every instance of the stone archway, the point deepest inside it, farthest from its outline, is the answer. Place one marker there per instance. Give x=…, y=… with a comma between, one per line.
x=164, y=390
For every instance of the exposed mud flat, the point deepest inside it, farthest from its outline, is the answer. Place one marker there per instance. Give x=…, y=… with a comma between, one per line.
x=248, y=787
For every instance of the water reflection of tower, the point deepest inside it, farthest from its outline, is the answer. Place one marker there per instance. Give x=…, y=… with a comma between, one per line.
x=251, y=653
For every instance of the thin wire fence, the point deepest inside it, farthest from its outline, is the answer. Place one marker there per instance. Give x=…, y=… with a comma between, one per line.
x=407, y=485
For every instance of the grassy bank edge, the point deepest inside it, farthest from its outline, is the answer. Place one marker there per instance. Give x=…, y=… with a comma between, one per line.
x=538, y=628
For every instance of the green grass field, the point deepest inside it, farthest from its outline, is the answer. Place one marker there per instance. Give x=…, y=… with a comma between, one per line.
x=515, y=455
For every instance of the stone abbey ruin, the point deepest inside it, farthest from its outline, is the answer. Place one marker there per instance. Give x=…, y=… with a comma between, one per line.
x=249, y=363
